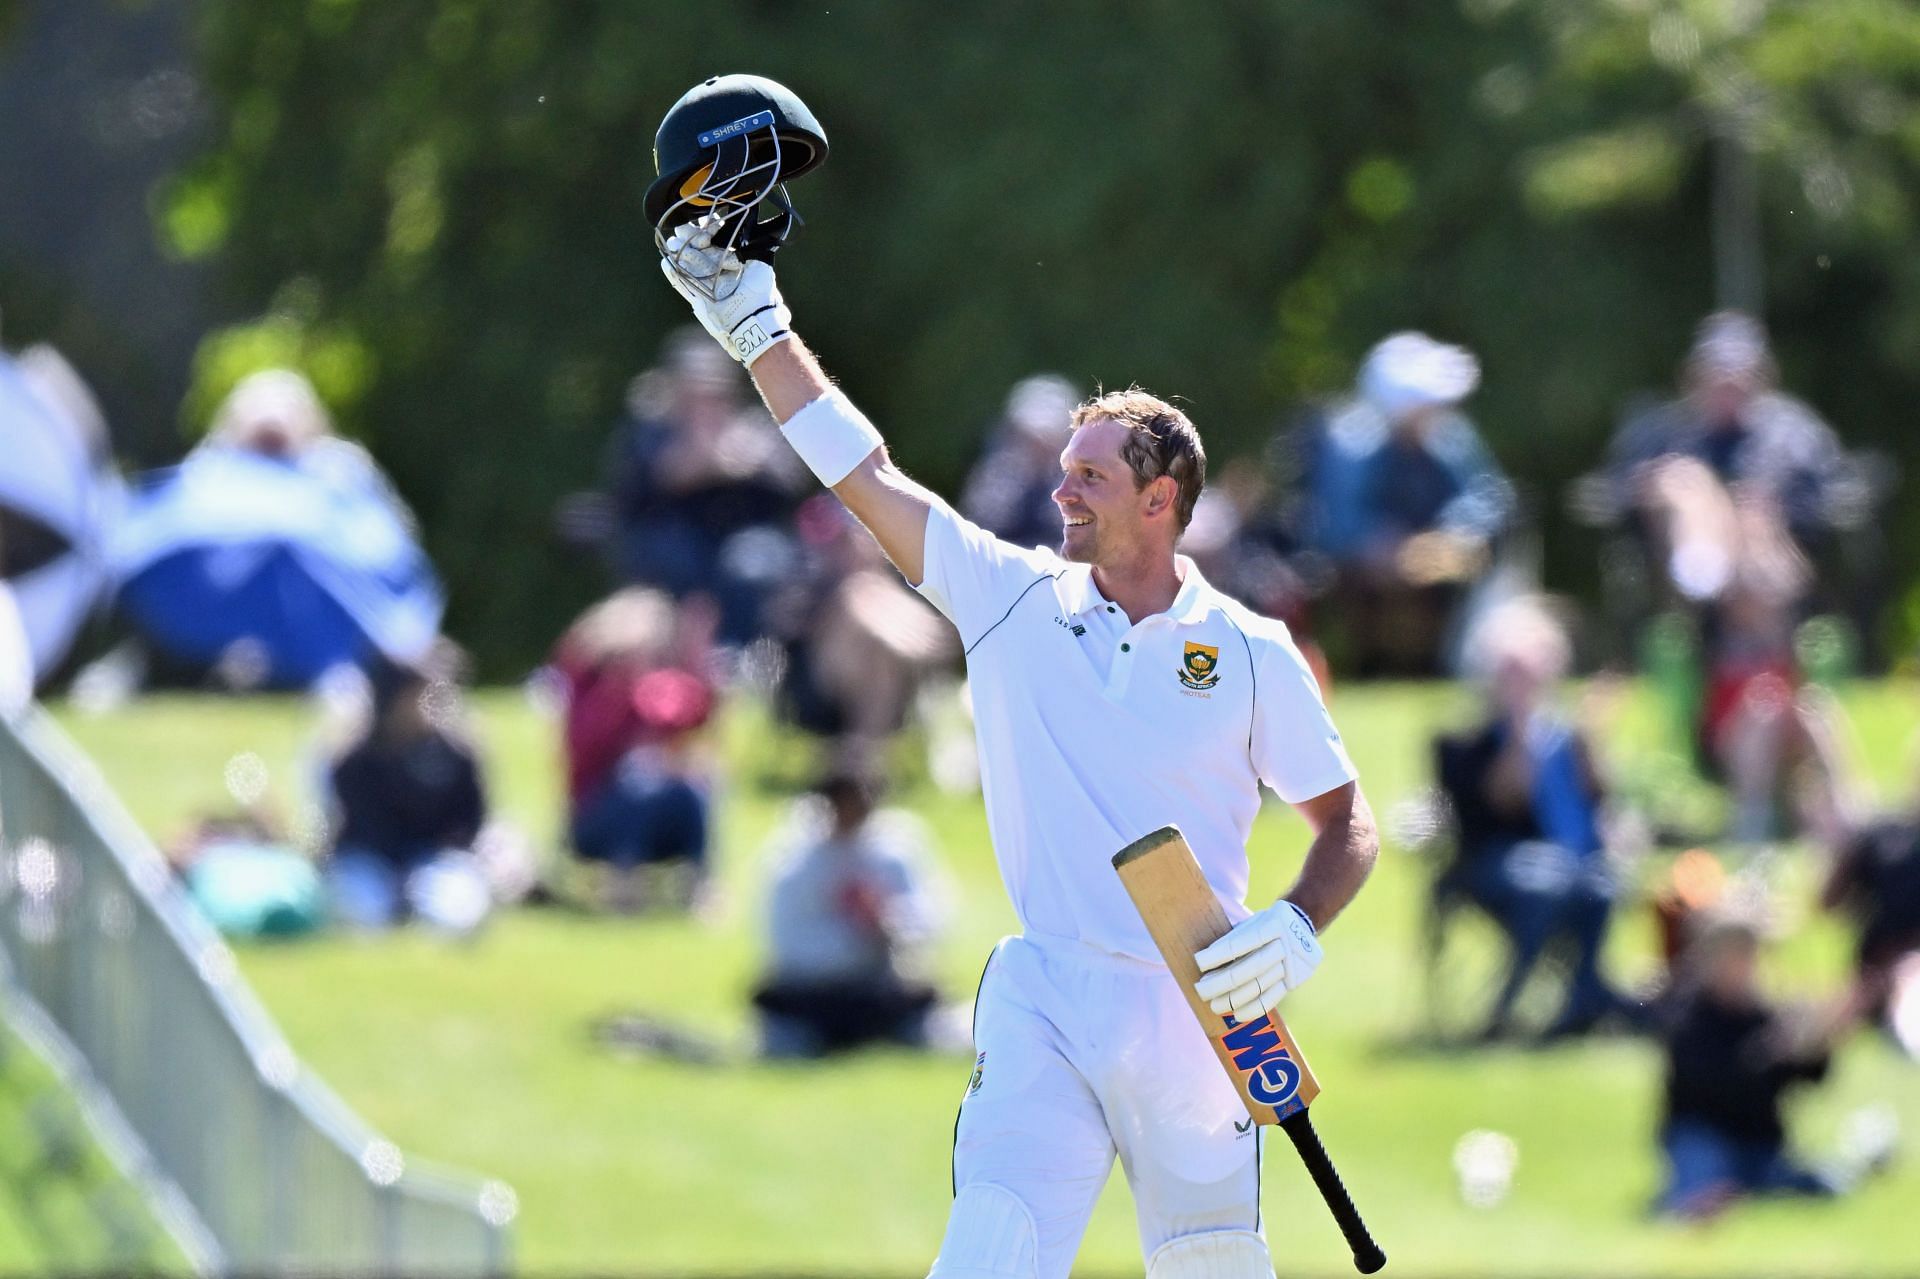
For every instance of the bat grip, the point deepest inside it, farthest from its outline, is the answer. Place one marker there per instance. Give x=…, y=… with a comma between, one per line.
x=1367, y=1256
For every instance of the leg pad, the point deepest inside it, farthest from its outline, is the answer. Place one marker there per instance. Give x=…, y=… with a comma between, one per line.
x=990, y=1235
x=1213, y=1254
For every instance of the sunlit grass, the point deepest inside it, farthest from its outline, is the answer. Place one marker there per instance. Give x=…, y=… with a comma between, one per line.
x=479, y=1054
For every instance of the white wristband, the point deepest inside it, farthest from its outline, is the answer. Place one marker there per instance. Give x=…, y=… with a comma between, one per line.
x=831, y=436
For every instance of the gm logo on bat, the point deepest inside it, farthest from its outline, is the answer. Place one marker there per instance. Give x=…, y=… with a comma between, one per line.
x=1273, y=1076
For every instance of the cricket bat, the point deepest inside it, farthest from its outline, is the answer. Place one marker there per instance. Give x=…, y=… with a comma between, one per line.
x=1260, y=1056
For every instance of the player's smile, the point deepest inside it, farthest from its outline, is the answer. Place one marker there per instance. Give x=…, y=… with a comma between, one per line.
x=1094, y=475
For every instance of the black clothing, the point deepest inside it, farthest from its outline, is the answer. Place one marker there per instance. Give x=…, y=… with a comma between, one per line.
x=408, y=802
x=1724, y=1069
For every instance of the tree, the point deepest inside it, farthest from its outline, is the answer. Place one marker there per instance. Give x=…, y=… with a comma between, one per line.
x=436, y=204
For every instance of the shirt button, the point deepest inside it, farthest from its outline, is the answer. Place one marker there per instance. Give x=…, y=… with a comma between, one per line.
x=1126, y=648
x=1111, y=609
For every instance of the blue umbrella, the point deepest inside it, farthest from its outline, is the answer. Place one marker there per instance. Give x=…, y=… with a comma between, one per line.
x=311, y=562
x=55, y=498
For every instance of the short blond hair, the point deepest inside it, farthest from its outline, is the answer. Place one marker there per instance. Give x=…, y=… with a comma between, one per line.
x=1161, y=440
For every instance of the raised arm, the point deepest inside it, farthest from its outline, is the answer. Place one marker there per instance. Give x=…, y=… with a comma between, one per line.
x=751, y=320
x=893, y=507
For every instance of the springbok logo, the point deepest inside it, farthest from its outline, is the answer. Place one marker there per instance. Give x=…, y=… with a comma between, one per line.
x=1202, y=666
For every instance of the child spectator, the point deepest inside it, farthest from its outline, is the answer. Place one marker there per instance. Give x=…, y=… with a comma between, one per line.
x=638, y=689
x=408, y=806
x=1731, y=1055
x=852, y=902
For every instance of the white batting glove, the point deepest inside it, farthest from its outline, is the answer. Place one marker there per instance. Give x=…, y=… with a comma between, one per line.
x=750, y=315
x=1259, y=960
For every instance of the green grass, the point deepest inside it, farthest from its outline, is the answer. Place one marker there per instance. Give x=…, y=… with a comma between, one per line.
x=63, y=1206
x=479, y=1054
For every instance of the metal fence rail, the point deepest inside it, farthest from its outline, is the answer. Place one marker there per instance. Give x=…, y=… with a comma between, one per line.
x=252, y=1163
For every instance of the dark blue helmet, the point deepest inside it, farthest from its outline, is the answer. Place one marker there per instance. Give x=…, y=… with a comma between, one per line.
x=727, y=149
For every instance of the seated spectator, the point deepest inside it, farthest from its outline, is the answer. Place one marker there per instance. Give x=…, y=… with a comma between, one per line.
x=1405, y=501
x=703, y=486
x=857, y=643
x=1526, y=803
x=276, y=414
x=1731, y=1055
x=276, y=554
x=1874, y=880
x=408, y=807
x=1009, y=492
x=248, y=879
x=637, y=676
x=851, y=904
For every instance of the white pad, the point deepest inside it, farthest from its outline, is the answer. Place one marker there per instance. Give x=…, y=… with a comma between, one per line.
x=1215, y=1254
x=990, y=1235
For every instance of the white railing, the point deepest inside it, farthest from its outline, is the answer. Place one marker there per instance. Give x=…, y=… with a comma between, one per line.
x=248, y=1159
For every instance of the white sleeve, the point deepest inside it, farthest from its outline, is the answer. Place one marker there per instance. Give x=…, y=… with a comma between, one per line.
x=1296, y=749
x=973, y=577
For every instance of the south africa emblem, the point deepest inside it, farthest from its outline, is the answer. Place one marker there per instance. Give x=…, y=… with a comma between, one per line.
x=1201, y=669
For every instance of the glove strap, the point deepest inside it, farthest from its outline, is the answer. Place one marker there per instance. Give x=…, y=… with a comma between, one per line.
x=831, y=436
x=755, y=335
x=1304, y=917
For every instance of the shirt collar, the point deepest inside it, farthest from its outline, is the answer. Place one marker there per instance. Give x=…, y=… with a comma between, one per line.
x=1191, y=603
x=1194, y=600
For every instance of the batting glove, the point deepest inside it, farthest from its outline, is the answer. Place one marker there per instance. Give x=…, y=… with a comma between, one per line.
x=1259, y=960
x=747, y=315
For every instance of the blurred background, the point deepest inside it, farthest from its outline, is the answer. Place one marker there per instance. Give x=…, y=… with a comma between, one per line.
x=469, y=803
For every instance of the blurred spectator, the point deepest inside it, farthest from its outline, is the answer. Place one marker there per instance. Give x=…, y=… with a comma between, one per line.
x=637, y=675
x=1875, y=881
x=1526, y=802
x=857, y=644
x=703, y=485
x=248, y=879
x=408, y=807
x=1405, y=500
x=1242, y=538
x=1730, y=496
x=276, y=414
x=851, y=905
x=1730, y=1056
x=1758, y=445
x=1010, y=489
x=276, y=552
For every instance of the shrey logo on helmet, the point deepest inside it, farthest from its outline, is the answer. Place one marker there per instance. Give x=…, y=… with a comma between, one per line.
x=725, y=152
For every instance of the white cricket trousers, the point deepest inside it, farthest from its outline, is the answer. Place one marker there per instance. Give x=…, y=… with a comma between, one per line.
x=1082, y=1055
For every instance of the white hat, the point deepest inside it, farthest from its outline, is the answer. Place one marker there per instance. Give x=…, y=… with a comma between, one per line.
x=1411, y=371
x=272, y=401
x=1042, y=406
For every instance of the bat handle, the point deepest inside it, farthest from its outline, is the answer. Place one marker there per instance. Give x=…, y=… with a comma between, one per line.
x=1367, y=1256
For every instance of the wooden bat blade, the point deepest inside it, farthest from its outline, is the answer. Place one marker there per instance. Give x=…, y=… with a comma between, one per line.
x=1182, y=915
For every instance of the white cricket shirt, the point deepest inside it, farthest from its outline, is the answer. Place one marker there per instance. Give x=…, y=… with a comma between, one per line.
x=1094, y=730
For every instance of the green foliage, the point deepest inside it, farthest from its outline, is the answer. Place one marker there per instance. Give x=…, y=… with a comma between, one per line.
x=1230, y=209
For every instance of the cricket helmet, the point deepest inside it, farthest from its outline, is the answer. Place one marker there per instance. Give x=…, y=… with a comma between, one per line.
x=728, y=148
